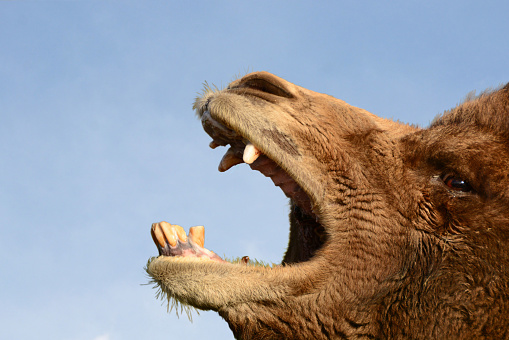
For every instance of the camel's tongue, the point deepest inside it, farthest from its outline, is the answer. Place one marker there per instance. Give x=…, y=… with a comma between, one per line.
x=229, y=159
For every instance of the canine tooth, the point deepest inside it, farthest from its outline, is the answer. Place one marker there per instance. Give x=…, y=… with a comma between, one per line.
x=251, y=153
x=229, y=160
x=197, y=234
x=213, y=145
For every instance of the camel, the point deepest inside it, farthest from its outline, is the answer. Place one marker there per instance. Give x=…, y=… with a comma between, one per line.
x=396, y=231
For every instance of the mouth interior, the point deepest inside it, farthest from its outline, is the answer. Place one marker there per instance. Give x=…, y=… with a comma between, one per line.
x=309, y=232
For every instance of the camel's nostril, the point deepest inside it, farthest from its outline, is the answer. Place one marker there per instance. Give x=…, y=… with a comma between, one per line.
x=264, y=85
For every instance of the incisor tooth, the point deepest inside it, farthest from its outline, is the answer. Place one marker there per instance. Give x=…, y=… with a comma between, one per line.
x=180, y=233
x=170, y=233
x=251, y=153
x=157, y=235
x=197, y=234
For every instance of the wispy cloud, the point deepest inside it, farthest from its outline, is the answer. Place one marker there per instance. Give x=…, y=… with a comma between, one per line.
x=103, y=337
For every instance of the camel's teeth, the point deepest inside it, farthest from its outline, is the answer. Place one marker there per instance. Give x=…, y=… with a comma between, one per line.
x=181, y=234
x=251, y=153
x=197, y=234
x=157, y=235
x=169, y=233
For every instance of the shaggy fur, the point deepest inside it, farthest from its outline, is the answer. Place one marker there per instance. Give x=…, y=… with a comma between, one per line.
x=396, y=232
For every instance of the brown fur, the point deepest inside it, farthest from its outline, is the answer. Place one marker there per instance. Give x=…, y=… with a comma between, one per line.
x=393, y=244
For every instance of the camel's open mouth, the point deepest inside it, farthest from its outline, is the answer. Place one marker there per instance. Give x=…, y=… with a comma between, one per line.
x=243, y=151
x=309, y=231
x=229, y=116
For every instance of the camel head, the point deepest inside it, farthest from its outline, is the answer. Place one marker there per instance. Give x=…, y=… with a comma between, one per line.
x=395, y=231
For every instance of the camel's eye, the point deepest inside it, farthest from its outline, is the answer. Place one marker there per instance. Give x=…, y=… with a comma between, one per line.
x=456, y=183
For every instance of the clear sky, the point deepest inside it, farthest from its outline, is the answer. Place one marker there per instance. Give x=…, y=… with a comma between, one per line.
x=98, y=138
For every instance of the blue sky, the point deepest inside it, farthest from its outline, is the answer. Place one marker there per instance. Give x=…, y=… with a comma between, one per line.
x=98, y=139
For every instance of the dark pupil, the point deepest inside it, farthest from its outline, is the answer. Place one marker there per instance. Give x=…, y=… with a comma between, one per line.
x=457, y=184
